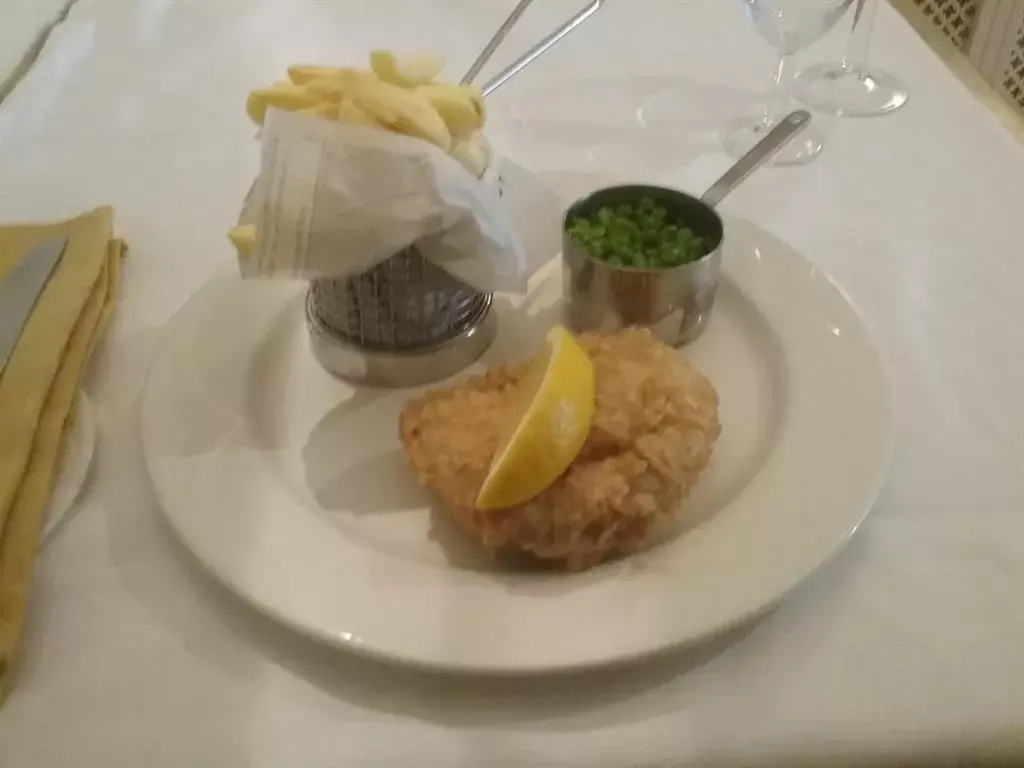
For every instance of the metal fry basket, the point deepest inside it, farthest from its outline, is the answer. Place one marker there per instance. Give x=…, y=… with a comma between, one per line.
x=403, y=303
x=404, y=322
x=407, y=321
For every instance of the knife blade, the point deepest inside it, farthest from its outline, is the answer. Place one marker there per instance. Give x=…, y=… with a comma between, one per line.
x=21, y=288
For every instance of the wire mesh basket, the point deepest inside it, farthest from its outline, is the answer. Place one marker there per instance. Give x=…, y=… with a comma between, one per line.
x=403, y=322
x=403, y=304
x=406, y=321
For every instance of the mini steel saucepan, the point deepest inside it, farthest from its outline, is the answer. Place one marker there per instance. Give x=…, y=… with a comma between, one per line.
x=673, y=302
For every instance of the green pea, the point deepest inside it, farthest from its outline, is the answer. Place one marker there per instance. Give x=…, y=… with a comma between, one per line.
x=640, y=235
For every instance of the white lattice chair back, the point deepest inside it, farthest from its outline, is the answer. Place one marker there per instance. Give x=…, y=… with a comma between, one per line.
x=997, y=48
x=956, y=19
x=991, y=34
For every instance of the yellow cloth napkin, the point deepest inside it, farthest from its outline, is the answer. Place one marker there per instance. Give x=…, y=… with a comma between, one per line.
x=38, y=392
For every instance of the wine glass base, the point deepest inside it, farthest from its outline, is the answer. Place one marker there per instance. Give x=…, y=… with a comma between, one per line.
x=739, y=136
x=850, y=92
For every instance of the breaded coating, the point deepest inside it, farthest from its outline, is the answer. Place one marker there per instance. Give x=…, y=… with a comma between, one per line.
x=654, y=427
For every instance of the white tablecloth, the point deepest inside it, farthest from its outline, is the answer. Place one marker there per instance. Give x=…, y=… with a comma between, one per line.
x=24, y=21
x=913, y=639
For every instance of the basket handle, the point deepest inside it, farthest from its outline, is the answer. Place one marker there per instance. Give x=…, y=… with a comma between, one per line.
x=527, y=58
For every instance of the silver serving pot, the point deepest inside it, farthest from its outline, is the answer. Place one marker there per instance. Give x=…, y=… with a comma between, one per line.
x=676, y=302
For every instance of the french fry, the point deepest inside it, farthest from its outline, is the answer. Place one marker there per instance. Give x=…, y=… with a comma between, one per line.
x=407, y=72
x=349, y=113
x=243, y=237
x=281, y=95
x=457, y=105
x=397, y=95
x=471, y=154
x=478, y=104
x=300, y=74
x=403, y=110
x=325, y=110
x=335, y=86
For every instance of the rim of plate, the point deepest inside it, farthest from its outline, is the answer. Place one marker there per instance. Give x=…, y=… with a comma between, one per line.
x=75, y=468
x=873, y=463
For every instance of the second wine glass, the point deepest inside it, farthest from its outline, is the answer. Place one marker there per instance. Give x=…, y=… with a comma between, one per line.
x=788, y=26
x=851, y=87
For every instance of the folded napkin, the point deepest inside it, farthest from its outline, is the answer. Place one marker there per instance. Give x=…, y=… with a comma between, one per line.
x=38, y=392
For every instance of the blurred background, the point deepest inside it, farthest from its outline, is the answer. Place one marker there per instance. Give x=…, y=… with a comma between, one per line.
x=982, y=41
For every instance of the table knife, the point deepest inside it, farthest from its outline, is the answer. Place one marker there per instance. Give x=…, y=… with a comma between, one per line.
x=21, y=288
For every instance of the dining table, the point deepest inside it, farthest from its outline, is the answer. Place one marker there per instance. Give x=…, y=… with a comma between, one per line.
x=908, y=647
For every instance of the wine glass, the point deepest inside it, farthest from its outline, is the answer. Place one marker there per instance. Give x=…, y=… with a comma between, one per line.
x=850, y=87
x=788, y=26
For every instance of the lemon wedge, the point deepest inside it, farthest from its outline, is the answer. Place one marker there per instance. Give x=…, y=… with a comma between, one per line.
x=550, y=427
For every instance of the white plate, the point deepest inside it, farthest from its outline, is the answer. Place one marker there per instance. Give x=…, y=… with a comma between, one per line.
x=74, y=469
x=292, y=489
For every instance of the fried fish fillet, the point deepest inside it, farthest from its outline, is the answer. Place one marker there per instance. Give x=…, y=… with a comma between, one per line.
x=654, y=428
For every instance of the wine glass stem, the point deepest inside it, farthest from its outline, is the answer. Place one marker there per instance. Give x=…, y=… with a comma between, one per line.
x=775, y=106
x=860, y=35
